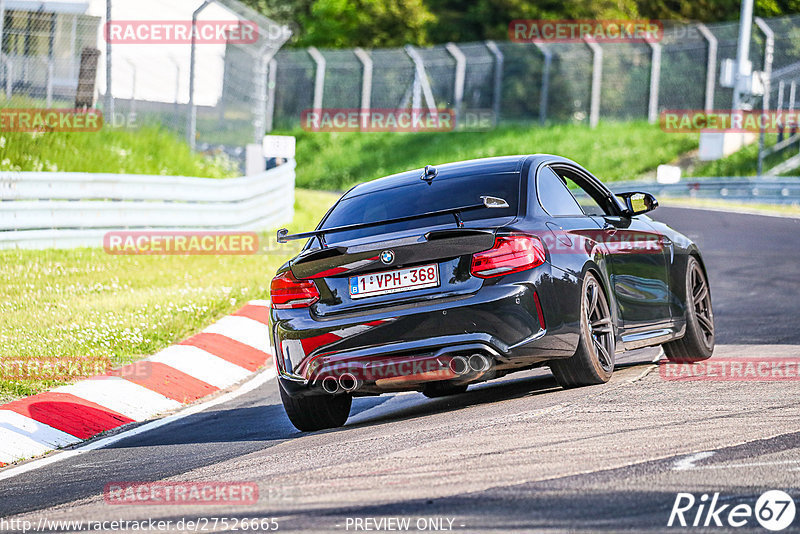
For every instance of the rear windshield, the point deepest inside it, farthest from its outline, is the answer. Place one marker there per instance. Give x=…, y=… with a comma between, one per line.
x=419, y=197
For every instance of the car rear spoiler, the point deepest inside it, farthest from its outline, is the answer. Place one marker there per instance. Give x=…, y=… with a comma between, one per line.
x=487, y=202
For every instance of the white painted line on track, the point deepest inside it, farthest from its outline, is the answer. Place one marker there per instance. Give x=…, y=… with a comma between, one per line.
x=202, y=365
x=242, y=329
x=687, y=462
x=122, y=396
x=255, y=382
x=752, y=464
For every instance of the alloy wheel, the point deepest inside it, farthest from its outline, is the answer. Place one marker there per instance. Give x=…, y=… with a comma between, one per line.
x=598, y=317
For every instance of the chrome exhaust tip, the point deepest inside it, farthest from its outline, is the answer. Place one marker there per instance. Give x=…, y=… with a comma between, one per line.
x=330, y=385
x=348, y=382
x=479, y=363
x=459, y=365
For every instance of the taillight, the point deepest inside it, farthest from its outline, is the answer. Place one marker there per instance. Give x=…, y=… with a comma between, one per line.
x=510, y=254
x=289, y=292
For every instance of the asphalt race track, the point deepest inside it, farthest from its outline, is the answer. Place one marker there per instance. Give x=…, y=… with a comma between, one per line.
x=516, y=454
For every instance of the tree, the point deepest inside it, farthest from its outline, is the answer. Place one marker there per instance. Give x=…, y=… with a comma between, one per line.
x=348, y=23
x=459, y=20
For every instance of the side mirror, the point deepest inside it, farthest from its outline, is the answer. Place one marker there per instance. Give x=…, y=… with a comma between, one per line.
x=637, y=202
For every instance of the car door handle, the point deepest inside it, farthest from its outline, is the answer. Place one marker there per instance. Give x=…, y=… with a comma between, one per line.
x=610, y=229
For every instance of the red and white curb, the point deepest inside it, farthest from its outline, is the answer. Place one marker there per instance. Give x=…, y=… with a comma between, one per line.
x=224, y=354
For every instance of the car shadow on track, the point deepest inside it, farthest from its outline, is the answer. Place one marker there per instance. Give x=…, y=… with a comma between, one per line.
x=486, y=393
x=542, y=382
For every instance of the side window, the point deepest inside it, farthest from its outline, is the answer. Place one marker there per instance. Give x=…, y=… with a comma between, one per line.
x=591, y=202
x=554, y=195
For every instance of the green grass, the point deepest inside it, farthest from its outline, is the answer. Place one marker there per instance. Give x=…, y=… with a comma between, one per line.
x=84, y=303
x=744, y=162
x=614, y=151
x=149, y=150
x=146, y=150
x=740, y=163
x=787, y=210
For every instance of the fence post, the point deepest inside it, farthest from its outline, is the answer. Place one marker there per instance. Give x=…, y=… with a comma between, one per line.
x=498, y=79
x=191, y=127
x=792, y=94
x=261, y=87
x=655, y=81
x=109, y=104
x=711, y=65
x=177, y=83
x=319, y=76
x=769, y=48
x=781, y=87
x=50, y=74
x=461, y=74
x=5, y=59
x=9, y=75
x=133, y=86
x=366, y=84
x=544, y=97
x=2, y=22
x=421, y=80
x=597, y=78
x=271, y=80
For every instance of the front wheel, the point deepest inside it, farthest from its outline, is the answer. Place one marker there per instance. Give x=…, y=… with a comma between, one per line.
x=316, y=412
x=697, y=343
x=593, y=362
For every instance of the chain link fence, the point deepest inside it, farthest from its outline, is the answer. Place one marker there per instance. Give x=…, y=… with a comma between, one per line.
x=529, y=82
x=145, y=67
x=243, y=89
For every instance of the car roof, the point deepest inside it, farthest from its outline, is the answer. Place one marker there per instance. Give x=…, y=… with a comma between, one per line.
x=483, y=166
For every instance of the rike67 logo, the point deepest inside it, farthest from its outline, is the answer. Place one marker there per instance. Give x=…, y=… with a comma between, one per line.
x=774, y=510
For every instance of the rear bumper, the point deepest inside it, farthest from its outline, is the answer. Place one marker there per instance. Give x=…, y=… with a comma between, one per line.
x=499, y=322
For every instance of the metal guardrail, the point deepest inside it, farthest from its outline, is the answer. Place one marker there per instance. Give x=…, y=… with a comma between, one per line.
x=757, y=189
x=66, y=210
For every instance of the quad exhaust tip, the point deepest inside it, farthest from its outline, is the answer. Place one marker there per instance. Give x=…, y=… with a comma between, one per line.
x=479, y=363
x=348, y=382
x=459, y=365
x=330, y=385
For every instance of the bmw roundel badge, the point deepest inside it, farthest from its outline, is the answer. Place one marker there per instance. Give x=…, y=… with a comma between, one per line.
x=387, y=257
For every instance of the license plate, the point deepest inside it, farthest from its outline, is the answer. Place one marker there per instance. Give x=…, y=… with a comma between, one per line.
x=370, y=285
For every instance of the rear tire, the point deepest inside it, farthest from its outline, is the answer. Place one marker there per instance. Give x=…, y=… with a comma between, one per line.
x=435, y=390
x=593, y=361
x=318, y=411
x=697, y=344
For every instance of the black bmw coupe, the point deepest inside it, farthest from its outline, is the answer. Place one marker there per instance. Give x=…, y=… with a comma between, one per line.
x=438, y=278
